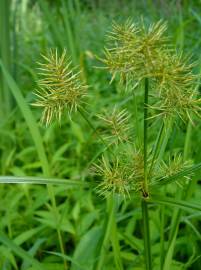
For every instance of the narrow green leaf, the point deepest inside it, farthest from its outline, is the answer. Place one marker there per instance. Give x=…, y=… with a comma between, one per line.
x=40, y=181
x=177, y=203
x=33, y=127
x=19, y=251
x=67, y=258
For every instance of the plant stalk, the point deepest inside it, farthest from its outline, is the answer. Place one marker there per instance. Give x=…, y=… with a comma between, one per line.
x=91, y=126
x=146, y=96
x=147, y=244
x=145, y=193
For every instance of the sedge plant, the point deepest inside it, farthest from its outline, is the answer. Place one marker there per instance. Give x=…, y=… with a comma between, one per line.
x=141, y=59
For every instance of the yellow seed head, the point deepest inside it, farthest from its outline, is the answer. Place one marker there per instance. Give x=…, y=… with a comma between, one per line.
x=60, y=88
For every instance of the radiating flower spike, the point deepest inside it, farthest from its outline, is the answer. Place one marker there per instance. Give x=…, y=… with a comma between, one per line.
x=60, y=88
x=116, y=123
x=114, y=177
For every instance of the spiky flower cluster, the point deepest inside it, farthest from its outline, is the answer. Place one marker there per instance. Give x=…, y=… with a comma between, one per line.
x=174, y=165
x=116, y=125
x=135, y=53
x=60, y=88
x=124, y=173
x=133, y=50
x=115, y=178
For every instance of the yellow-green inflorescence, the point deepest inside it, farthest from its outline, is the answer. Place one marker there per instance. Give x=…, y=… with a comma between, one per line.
x=60, y=88
x=134, y=53
x=116, y=125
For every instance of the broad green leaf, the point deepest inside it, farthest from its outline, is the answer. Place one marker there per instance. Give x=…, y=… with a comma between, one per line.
x=86, y=250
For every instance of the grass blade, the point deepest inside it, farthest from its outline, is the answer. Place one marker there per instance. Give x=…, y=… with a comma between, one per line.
x=147, y=244
x=29, y=119
x=176, y=203
x=19, y=251
x=5, y=54
x=40, y=181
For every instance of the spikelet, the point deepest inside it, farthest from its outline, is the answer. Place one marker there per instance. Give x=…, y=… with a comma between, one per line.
x=174, y=83
x=114, y=177
x=132, y=49
x=173, y=166
x=123, y=174
x=137, y=52
x=116, y=125
x=60, y=88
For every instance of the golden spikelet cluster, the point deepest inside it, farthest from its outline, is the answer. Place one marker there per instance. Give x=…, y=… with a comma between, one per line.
x=174, y=165
x=175, y=93
x=123, y=173
x=116, y=125
x=60, y=88
x=114, y=177
x=132, y=49
x=135, y=52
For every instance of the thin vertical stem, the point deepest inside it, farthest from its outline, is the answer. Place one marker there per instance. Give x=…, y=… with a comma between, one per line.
x=162, y=236
x=145, y=214
x=147, y=245
x=108, y=230
x=5, y=54
x=146, y=95
x=91, y=126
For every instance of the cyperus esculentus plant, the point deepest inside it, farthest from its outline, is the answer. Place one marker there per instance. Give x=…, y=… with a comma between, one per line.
x=139, y=57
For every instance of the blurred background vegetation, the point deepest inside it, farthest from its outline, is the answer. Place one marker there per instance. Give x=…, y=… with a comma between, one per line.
x=28, y=28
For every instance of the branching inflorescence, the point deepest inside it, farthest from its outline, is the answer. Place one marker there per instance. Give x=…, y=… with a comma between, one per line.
x=135, y=53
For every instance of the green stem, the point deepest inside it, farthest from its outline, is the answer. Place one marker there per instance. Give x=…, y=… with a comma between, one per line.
x=146, y=96
x=91, y=126
x=108, y=229
x=147, y=244
x=145, y=216
x=55, y=211
x=162, y=238
x=5, y=54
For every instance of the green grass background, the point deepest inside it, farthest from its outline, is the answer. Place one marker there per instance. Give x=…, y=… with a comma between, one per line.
x=35, y=220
